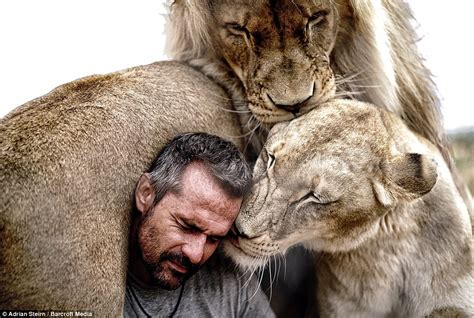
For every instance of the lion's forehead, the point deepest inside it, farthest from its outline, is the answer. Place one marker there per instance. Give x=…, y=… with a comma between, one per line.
x=283, y=8
x=352, y=135
x=323, y=171
x=304, y=144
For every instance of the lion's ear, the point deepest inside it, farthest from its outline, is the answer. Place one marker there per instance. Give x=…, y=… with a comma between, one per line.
x=406, y=177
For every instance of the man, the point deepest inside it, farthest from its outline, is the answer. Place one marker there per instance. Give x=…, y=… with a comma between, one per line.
x=185, y=204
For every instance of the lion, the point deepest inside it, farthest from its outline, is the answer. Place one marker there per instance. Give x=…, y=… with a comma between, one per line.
x=379, y=203
x=69, y=163
x=279, y=59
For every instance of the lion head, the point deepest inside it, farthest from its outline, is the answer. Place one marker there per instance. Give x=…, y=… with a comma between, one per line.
x=325, y=180
x=279, y=51
x=278, y=59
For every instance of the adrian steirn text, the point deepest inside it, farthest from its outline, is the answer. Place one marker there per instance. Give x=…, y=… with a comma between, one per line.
x=48, y=313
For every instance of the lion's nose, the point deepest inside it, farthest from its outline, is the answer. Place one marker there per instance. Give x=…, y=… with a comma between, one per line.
x=249, y=228
x=238, y=231
x=291, y=103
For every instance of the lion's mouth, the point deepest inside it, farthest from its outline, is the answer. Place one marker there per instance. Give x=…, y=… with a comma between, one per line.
x=234, y=241
x=233, y=238
x=272, y=113
x=270, y=117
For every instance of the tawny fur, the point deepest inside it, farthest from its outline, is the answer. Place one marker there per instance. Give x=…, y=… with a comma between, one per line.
x=376, y=199
x=69, y=163
x=374, y=54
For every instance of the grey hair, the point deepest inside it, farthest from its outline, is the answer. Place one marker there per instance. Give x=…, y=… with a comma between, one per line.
x=222, y=158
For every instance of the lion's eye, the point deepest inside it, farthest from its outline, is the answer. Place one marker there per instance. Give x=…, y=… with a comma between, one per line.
x=236, y=29
x=271, y=160
x=317, y=19
x=316, y=198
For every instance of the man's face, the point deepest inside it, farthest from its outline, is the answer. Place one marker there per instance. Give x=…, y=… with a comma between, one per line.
x=183, y=230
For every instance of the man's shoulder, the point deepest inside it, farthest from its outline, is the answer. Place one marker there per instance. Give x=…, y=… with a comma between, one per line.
x=239, y=290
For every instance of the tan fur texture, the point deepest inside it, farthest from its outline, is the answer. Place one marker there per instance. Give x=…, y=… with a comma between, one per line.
x=69, y=163
x=278, y=59
x=378, y=201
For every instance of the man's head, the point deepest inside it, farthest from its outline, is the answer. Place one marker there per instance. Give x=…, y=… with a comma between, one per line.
x=186, y=203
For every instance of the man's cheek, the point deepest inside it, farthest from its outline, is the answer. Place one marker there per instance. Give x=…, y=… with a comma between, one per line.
x=150, y=251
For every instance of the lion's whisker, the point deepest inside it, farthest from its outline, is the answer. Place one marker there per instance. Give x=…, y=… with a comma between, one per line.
x=284, y=265
x=247, y=282
x=260, y=269
x=275, y=273
x=245, y=272
x=236, y=111
x=270, y=278
x=254, y=267
x=342, y=94
x=251, y=135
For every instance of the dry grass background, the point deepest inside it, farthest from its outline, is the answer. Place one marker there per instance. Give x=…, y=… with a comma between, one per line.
x=463, y=147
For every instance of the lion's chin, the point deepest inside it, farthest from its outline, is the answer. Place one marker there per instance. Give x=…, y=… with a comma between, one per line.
x=241, y=258
x=272, y=119
x=270, y=116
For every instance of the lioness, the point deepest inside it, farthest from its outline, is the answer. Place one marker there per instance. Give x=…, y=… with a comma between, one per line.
x=352, y=181
x=69, y=162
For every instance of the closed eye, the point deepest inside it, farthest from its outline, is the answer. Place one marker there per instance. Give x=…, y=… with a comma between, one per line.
x=214, y=239
x=191, y=228
x=266, y=158
x=271, y=160
x=188, y=228
x=236, y=29
x=317, y=19
x=315, y=198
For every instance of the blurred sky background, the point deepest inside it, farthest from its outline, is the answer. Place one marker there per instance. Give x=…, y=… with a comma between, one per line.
x=50, y=42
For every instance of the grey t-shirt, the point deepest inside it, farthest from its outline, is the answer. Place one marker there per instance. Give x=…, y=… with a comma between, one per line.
x=218, y=289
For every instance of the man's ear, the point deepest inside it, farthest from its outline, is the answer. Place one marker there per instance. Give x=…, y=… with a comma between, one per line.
x=144, y=194
x=406, y=177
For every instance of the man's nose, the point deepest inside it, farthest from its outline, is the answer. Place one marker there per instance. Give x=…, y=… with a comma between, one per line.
x=194, y=248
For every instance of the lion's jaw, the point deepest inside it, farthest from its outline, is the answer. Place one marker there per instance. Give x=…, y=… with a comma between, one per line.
x=325, y=180
x=280, y=53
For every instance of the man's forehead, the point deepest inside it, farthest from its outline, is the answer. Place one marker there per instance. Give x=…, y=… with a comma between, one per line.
x=197, y=174
x=208, y=220
x=210, y=204
x=197, y=182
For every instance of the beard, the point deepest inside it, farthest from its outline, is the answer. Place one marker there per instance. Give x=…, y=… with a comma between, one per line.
x=156, y=262
x=165, y=277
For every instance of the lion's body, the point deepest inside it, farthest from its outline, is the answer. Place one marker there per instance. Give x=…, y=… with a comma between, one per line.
x=376, y=199
x=69, y=162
